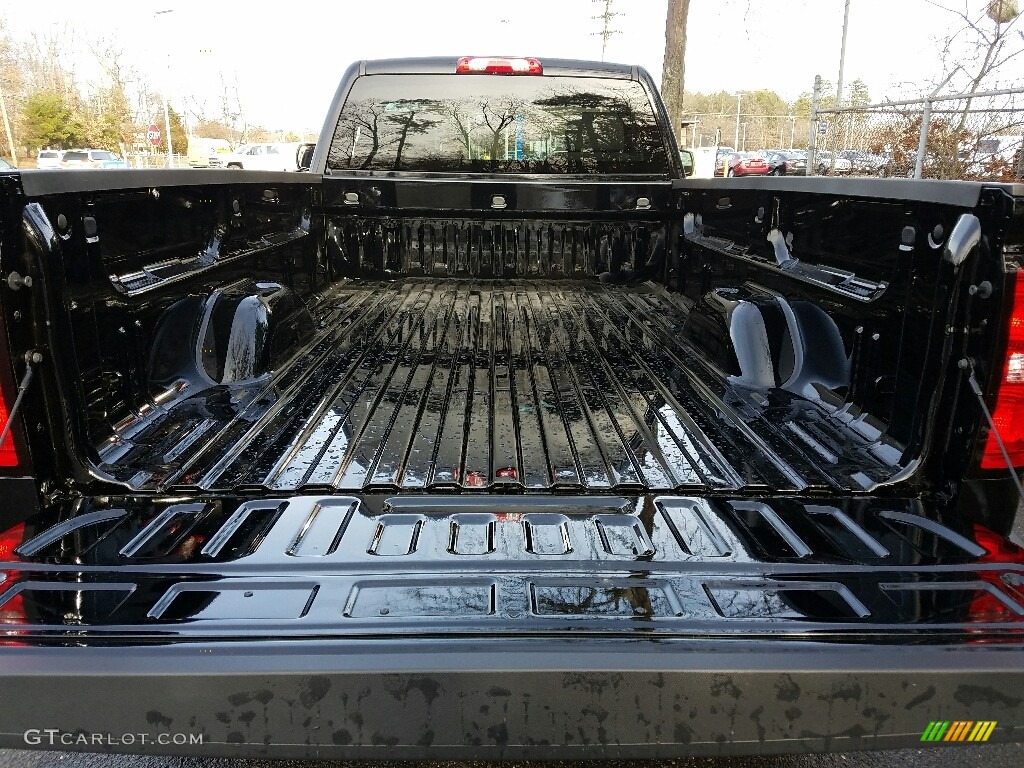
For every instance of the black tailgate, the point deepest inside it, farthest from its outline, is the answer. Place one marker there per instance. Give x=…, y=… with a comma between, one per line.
x=511, y=626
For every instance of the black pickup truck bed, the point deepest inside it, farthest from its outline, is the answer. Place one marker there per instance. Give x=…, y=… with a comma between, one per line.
x=545, y=385
x=502, y=442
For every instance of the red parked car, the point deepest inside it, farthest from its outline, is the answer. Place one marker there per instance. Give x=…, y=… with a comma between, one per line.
x=747, y=164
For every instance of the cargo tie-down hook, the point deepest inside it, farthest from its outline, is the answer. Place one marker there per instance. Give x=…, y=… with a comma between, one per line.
x=967, y=364
x=32, y=359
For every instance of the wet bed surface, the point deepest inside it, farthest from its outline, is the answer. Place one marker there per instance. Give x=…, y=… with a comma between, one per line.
x=433, y=384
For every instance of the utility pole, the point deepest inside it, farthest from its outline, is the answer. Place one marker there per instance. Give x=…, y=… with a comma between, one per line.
x=842, y=56
x=812, y=140
x=7, y=127
x=736, y=139
x=606, y=17
x=842, y=66
x=167, y=116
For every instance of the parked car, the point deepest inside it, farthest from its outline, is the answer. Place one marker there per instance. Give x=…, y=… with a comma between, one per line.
x=722, y=156
x=207, y=153
x=786, y=162
x=823, y=161
x=862, y=162
x=747, y=164
x=48, y=158
x=896, y=164
x=91, y=158
x=277, y=156
x=992, y=149
x=704, y=160
x=990, y=157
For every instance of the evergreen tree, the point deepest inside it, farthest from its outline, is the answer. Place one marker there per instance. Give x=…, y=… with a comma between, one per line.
x=47, y=121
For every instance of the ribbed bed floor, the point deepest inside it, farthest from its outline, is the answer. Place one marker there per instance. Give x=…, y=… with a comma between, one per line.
x=546, y=385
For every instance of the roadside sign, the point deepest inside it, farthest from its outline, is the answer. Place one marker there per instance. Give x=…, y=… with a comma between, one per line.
x=823, y=126
x=153, y=134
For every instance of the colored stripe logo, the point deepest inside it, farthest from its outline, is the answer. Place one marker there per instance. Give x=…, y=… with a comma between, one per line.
x=959, y=730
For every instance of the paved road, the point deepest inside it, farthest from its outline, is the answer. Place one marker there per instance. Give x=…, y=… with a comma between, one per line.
x=990, y=756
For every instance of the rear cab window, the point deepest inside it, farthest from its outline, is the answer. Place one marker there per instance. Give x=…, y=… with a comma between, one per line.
x=499, y=124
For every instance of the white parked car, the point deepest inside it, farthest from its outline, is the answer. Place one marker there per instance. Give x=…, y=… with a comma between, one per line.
x=824, y=161
x=90, y=158
x=49, y=158
x=263, y=157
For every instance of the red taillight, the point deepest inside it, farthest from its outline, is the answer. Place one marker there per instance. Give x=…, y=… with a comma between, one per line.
x=10, y=540
x=986, y=606
x=998, y=549
x=12, y=611
x=8, y=452
x=8, y=391
x=1008, y=413
x=498, y=65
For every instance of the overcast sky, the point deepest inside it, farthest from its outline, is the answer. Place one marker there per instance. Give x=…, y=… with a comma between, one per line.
x=288, y=60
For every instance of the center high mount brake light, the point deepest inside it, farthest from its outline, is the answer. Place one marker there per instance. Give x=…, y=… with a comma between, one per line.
x=498, y=65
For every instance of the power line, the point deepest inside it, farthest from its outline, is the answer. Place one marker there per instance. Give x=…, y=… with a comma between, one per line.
x=606, y=19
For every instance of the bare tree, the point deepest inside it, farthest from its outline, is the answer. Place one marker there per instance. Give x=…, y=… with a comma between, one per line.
x=673, y=68
x=10, y=88
x=231, y=113
x=460, y=121
x=497, y=118
x=48, y=66
x=985, y=41
x=110, y=120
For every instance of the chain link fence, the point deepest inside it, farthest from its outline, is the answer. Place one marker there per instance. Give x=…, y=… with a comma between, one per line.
x=156, y=160
x=744, y=132
x=974, y=137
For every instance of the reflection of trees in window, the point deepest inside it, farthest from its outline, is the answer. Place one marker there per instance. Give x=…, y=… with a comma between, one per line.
x=496, y=115
x=605, y=133
x=383, y=128
x=497, y=120
x=460, y=121
x=408, y=124
x=356, y=119
x=496, y=125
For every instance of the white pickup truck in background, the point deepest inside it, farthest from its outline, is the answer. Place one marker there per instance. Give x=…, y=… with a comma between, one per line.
x=278, y=156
